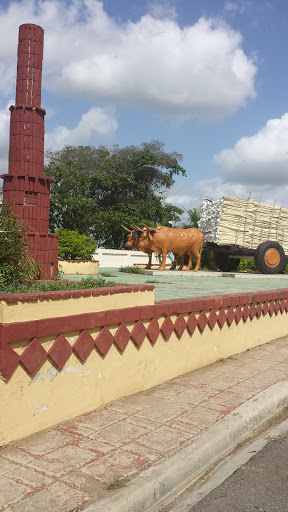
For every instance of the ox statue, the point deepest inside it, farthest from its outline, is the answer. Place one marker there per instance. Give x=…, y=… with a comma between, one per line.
x=164, y=240
x=133, y=242
x=134, y=238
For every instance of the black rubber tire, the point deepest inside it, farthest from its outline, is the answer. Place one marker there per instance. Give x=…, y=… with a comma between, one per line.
x=224, y=263
x=259, y=257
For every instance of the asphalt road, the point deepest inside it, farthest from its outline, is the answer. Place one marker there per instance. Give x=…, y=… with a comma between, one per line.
x=258, y=484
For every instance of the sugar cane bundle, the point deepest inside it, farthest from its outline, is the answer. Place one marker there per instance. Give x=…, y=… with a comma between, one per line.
x=247, y=223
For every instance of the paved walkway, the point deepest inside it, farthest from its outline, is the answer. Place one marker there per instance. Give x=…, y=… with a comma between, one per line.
x=178, y=285
x=73, y=465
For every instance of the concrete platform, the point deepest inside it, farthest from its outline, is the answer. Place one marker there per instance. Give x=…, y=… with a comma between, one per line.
x=211, y=273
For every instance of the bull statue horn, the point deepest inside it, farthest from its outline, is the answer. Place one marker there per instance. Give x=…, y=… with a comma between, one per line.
x=136, y=228
x=129, y=230
x=147, y=227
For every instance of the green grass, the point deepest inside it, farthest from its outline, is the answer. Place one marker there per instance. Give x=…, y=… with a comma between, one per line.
x=48, y=286
x=131, y=270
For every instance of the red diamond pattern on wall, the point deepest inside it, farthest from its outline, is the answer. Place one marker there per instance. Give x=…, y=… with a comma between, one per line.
x=252, y=311
x=167, y=328
x=245, y=313
x=104, y=341
x=271, y=308
x=265, y=308
x=138, y=333
x=180, y=325
x=121, y=337
x=230, y=316
x=282, y=306
x=84, y=345
x=221, y=318
x=202, y=321
x=192, y=323
x=277, y=307
x=10, y=360
x=259, y=310
x=286, y=305
x=153, y=330
x=212, y=319
x=60, y=351
x=33, y=356
x=238, y=314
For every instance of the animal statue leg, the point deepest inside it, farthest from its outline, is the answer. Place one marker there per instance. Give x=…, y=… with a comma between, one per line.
x=163, y=264
x=198, y=256
x=190, y=254
x=174, y=262
x=148, y=267
x=181, y=263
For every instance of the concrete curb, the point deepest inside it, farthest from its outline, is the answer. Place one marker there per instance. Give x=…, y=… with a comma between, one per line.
x=153, y=486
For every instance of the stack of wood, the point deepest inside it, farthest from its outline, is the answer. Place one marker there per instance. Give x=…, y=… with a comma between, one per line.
x=247, y=223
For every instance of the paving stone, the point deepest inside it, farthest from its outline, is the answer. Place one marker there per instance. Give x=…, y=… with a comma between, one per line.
x=99, y=420
x=191, y=429
x=6, y=466
x=121, y=433
x=76, y=428
x=194, y=396
x=147, y=423
x=53, y=468
x=201, y=416
x=223, y=382
x=164, y=439
x=73, y=455
x=11, y=491
x=120, y=464
x=276, y=357
x=17, y=456
x=29, y=477
x=228, y=398
x=162, y=412
x=56, y=498
x=44, y=442
x=140, y=402
x=99, y=448
x=282, y=367
x=140, y=449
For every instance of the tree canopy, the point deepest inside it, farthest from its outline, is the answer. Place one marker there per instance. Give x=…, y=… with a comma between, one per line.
x=98, y=189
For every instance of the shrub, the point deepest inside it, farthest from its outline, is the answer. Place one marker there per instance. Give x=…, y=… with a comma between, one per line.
x=73, y=246
x=15, y=263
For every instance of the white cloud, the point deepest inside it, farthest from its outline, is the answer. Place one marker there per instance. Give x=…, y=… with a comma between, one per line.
x=92, y=127
x=162, y=10
x=152, y=64
x=260, y=159
x=218, y=187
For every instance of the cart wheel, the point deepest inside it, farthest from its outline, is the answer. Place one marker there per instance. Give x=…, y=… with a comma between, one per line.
x=224, y=263
x=269, y=257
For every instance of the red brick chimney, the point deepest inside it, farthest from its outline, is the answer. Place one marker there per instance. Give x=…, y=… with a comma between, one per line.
x=25, y=186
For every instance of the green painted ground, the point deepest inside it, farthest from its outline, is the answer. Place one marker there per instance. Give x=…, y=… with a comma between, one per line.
x=176, y=287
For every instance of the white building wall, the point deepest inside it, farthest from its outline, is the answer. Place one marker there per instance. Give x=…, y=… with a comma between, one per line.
x=122, y=258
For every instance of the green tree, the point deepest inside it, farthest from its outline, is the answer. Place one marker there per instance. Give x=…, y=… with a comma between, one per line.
x=98, y=189
x=192, y=219
x=73, y=246
x=15, y=263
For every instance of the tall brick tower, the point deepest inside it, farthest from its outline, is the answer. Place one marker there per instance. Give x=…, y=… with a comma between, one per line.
x=25, y=186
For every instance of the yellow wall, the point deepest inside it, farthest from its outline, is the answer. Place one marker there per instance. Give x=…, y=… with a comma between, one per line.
x=78, y=267
x=30, y=405
x=51, y=308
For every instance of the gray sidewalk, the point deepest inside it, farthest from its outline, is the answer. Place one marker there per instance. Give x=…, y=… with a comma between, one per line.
x=148, y=442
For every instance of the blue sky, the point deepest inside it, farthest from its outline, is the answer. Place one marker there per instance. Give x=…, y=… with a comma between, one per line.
x=206, y=77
